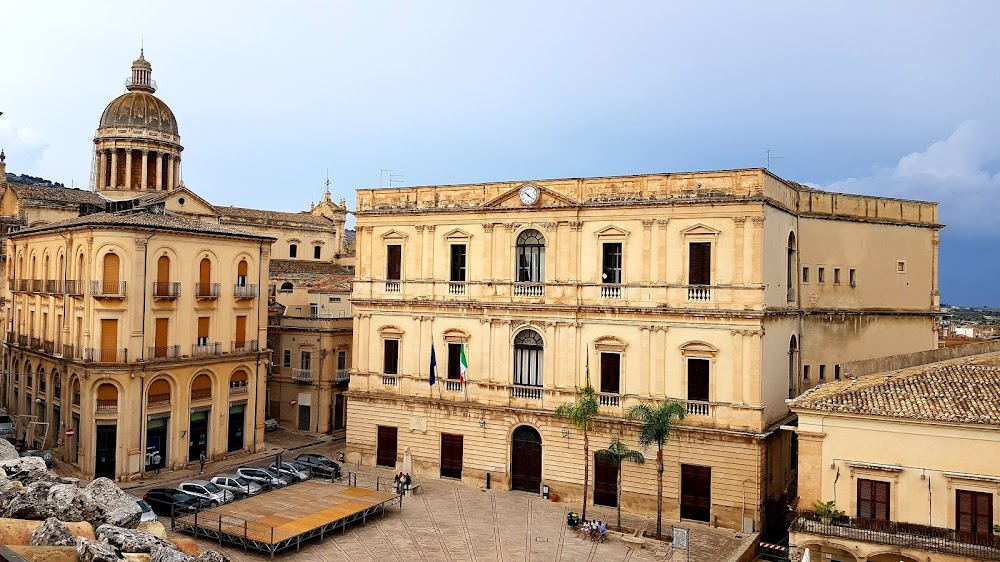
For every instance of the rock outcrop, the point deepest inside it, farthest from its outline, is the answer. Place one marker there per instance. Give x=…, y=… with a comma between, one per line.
x=27, y=470
x=7, y=451
x=96, y=551
x=52, y=533
x=120, y=508
x=130, y=540
x=164, y=554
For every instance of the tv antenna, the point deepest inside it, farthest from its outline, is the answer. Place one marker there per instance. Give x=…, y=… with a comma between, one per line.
x=395, y=178
x=769, y=158
x=382, y=173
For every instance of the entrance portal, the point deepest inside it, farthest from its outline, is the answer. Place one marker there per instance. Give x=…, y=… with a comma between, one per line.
x=198, y=435
x=156, y=442
x=526, y=460
x=236, y=416
x=104, y=460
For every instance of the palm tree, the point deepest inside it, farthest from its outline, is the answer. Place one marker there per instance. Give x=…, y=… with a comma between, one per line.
x=616, y=454
x=657, y=424
x=582, y=413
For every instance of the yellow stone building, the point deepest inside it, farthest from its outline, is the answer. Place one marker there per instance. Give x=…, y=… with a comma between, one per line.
x=909, y=454
x=727, y=291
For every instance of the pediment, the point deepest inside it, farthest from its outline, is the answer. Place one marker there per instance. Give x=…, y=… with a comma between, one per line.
x=457, y=233
x=610, y=343
x=612, y=231
x=546, y=198
x=192, y=203
x=699, y=229
x=699, y=348
x=455, y=335
x=394, y=235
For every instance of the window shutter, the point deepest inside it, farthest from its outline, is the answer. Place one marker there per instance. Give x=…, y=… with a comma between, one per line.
x=964, y=511
x=700, y=263
x=865, y=495
x=161, y=337
x=241, y=331
x=394, y=254
x=242, y=268
x=163, y=270
x=203, y=327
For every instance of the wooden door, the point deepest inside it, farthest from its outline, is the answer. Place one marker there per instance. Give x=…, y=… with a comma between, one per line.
x=700, y=263
x=526, y=460
x=160, y=337
x=385, y=454
x=109, y=340
x=241, y=331
x=205, y=277
x=393, y=266
x=162, y=276
x=451, y=455
x=605, y=482
x=696, y=492
x=104, y=454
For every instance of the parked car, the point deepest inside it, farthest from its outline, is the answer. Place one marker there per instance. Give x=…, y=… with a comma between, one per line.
x=237, y=484
x=46, y=455
x=168, y=500
x=264, y=476
x=211, y=494
x=320, y=465
x=7, y=430
x=298, y=471
x=147, y=512
x=270, y=424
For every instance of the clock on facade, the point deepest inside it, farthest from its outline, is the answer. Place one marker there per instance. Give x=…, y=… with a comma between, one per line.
x=528, y=194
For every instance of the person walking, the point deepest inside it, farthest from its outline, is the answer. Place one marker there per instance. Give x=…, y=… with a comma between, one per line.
x=157, y=459
x=201, y=459
x=398, y=483
x=406, y=483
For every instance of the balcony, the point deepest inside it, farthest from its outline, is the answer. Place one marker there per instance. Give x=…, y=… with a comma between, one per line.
x=393, y=287
x=202, y=350
x=156, y=400
x=54, y=287
x=169, y=290
x=302, y=375
x=245, y=291
x=611, y=291
x=164, y=352
x=245, y=346
x=452, y=386
x=204, y=291
x=201, y=393
x=11, y=338
x=526, y=392
x=100, y=355
x=700, y=294
x=978, y=546
x=239, y=387
x=22, y=340
x=390, y=380
x=343, y=375
x=107, y=289
x=36, y=343
x=49, y=347
x=456, y=288
x=75, y=288
x=37, y=286
x=609, y=399
x=69, y=351
x=106, y=406
x=529, y=289
x=22, y=285
x=698, y=408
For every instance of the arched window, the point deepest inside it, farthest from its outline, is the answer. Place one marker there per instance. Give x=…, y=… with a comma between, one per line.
x=159, y=393
x=107, y=398
x=528, y=349
x=793, y=364
x=239, y=382
x=205, y=277
x=791, y=267
x=293, y=250
x=286, y=287
x=530, y=257
x=241, y=273
x=111, y=274
x=201, y=388
x=317, y=252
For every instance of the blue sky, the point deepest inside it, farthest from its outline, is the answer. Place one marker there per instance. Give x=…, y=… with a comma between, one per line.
x=890, y=98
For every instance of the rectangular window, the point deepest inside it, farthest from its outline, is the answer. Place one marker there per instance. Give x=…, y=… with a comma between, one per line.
x=314, y=310
x=805, y=372
x=700, y=263
x=853, y=277
x=611, y=270
x=293, y=250
x=836, y=372
x=457, y=262
x=698, y=379
x=334, y=299
x=821, y=275
x=836, y=276
x=900, y=266
x=805, y=274
x=873, y=499
x=611, y=364
x=305, y=360
x=973, y=512
x=390, y=357
x=454, y=360
x=317, y=252
x=286, y=358
x=203, y=330
x=341, y=360
x=393, y=262
x=822, y=372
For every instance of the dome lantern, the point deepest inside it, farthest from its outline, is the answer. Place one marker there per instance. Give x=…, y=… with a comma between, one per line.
x=142, y=73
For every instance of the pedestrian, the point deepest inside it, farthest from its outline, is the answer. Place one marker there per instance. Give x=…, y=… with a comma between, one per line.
x=201, y=459
x=398, y=483
x=157, y=459
x=594, y=527
x=603, y=530
x=584, y=530
x=406, y=483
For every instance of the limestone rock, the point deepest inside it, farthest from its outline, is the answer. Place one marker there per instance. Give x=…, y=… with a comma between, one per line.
x=32, y=504
x=52, y=533
x=27, y=469
x=165, y=554
x=121, y=509
x=186, y=545
x=130, y=540
x=70, y=503
x=211, y=556
x=7, y=451
x=154, y=528
x=95, y=551
x=9, y=489
x=136, y=557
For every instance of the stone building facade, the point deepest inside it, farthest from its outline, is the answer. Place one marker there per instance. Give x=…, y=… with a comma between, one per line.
x=694, y=287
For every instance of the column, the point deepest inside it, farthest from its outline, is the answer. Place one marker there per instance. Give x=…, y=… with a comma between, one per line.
x=644, y=367
x=738, y=278
x=128, y=168
x=507, y=241
x=647, y=243
x=114, y=168
x=740, y=367
x=145, y=170
x=370, y=246
x=935, y=293
x=482, y=370
x=554, y=250
x=757, y=250
x=664, y=254
x=177, y=173
x=99, y=181
x=549, y=376
x=170, y=172
x=488, y=260
x=159, y=171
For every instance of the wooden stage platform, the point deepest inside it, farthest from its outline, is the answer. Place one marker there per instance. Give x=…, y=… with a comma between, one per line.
x=286, y=517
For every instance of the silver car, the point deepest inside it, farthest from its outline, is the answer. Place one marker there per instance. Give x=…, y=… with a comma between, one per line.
x=298, y=471
x=147, y=512
x=264, y=476
x=210, y=494
x=238, y=485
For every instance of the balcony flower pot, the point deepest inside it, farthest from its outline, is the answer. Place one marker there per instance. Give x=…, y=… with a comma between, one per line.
x=555, y=497
x=827, y=511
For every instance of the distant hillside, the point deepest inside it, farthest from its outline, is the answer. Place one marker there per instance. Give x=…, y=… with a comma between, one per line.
x=31, y=180
x=971, y=315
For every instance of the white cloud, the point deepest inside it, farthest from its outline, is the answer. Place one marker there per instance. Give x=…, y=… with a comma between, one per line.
x=955, y=172
x=23, y=147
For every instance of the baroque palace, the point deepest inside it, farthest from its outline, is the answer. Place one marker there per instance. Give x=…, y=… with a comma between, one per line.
x=136, y=318
x=727, y=291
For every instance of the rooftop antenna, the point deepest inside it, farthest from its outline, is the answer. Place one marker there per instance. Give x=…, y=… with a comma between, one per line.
x=328, y=181
x=395, y=178
x=381, y=173
x=769, y=158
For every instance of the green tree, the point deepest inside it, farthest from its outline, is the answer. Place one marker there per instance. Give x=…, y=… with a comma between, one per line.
x=582, y=413
x=616, y=454
x=657, y=423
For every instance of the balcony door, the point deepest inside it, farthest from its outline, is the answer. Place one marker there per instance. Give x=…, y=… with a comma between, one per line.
x=109, y=340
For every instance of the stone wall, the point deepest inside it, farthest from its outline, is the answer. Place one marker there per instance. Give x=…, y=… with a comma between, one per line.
x=906, y=360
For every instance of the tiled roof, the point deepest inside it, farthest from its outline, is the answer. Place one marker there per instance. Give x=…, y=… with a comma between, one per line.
x=143, y=220
x=331, y=284
x=305, y=267
x=961, y=391
x=64, y=195
x=242, y=214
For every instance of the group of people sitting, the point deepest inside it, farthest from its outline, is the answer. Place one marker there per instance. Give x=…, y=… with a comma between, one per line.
x=597, y=531
x=402, y=482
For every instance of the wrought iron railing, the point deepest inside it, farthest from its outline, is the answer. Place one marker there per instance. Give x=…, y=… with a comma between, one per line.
x=343, y=375
x=302, y=375
x=107, y=289
x=245, y=291
x=207, y=290
x=102, y=355
x=75, y=288
x=166, y=290
x=107, y=405
x=239, y=387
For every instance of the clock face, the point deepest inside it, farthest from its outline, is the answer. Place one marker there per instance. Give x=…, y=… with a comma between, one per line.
x=528, y=194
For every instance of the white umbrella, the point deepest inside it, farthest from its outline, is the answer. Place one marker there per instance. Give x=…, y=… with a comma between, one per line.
x=806, y=557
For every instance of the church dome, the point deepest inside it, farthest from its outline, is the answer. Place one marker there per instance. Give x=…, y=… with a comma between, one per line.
x=139, y=109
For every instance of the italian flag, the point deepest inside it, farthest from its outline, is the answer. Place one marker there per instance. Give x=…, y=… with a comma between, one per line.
x=463, y=366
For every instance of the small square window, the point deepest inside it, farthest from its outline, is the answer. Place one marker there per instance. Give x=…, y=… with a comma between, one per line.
x=836, y=276
x=900, y=266
x=805, y=274
x=853, y=277
x=334, y=299
x=822, y=372
x=821, y=275
x=836, y=372
x=805, y=372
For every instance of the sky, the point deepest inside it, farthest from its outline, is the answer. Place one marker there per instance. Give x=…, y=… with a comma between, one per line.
x=883, y=98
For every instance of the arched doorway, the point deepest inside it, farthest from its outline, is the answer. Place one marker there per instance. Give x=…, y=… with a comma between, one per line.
x=793, y=363
x=526, y=459
x=792, y=267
